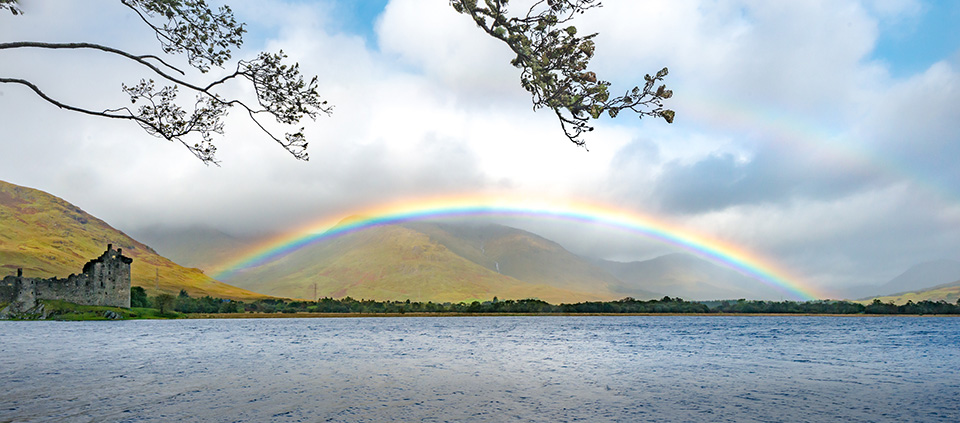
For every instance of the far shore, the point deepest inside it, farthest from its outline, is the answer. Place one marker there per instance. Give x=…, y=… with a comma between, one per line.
x=359, y=315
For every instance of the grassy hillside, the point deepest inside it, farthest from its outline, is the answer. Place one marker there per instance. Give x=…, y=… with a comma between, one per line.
x=947, y=292
x=527, y=257
x=392, y=263
x=47, y=236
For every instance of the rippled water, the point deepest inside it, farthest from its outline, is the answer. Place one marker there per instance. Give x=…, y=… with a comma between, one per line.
x=548, y=369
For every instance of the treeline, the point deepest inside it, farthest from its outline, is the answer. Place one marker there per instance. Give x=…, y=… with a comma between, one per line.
x=350, y=305
x=183, y=303
x=836, y=307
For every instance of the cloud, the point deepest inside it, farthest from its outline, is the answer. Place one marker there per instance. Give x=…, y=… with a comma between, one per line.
x=432, y=38
x=914, y=127
x=772, y=176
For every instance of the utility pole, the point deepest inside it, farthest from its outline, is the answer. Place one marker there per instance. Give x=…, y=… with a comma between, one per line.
x=157, y=280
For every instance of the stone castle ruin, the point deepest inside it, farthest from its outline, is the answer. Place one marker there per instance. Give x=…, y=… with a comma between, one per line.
x=105, y=281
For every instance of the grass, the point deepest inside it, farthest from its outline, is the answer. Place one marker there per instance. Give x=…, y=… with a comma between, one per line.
x=63, y=310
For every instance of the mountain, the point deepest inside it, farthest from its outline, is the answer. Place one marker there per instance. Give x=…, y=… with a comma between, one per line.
x=687, y=277
x=920, y=277
x=432, y=262
x=527, y=257
x=948, y=292
x=47, y=236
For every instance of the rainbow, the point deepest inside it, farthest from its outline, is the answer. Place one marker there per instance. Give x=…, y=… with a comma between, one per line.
x=715, y=250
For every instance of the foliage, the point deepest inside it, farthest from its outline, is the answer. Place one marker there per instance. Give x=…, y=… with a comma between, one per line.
x=788, y=307
x=553, y=60
x=535, y=306
x=921, y=307
x=205, y=304
x=138, y=297
x=164, y=302
x=10, y=5
x=206, y=36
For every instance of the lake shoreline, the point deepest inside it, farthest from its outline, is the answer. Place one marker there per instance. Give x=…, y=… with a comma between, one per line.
x=366, y=315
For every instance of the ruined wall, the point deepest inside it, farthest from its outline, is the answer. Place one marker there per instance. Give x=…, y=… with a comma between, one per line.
x=8, y=289
x=105, y=281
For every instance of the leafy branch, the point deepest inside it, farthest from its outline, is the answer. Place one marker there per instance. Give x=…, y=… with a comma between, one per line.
x=205, y=36
x=10, y=5
x=553, y=60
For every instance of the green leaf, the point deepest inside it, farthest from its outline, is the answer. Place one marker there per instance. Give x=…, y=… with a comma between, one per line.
x=667, y=115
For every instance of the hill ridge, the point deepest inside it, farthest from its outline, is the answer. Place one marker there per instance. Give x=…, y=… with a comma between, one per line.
x=48, y=236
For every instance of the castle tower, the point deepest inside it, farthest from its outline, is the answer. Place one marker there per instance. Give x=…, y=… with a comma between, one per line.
x=108, y=279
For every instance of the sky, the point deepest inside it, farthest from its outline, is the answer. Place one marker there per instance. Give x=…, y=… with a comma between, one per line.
x=821, y=135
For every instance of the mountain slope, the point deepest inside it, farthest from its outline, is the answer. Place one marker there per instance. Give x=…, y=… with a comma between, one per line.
x=393, y=262
x=687, y=277
x=949, y=292
x=527, y=257
x=47, y=236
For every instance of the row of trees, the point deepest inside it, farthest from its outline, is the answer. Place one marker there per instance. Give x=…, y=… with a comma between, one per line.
x=837, y=307
x=350, y=305
x=183, y=303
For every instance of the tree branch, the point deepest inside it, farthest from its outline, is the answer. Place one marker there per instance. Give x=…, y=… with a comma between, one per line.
x=157, y=131
x=554, y=61
x=280, y=91
x=205, y=36
x=68, y=46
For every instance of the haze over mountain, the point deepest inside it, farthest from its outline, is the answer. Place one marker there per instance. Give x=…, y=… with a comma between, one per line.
x=687, y=277
x=194, y=246
x=47, y=236
x=917, y=278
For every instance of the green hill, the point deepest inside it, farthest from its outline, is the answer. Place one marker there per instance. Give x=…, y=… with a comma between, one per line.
x=949, y=292
x=527, y=257
x=47, y=236
x=420, y=262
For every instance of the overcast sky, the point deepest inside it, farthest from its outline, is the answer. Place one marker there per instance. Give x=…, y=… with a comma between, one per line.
x=823, y=135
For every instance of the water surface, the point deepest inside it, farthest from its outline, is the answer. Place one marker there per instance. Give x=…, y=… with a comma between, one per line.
x=737, y=369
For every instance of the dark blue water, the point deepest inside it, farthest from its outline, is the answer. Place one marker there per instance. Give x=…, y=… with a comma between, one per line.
x=550, y=369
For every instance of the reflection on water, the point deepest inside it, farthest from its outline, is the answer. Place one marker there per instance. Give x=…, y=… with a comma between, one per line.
x=483, y=369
